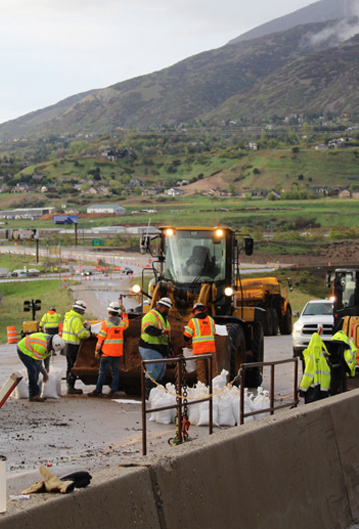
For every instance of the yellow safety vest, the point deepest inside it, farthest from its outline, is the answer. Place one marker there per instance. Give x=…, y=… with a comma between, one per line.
x=73, y=330
x=349, y=353
x=35, y=346
x=317, y=370
x=154, y=319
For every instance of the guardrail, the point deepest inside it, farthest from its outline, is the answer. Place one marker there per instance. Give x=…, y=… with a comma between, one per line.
x=272, y=408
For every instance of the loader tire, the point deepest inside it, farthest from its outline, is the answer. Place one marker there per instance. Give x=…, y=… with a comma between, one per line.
x=254, y=375
x=268, y=323
x=285, y=322
x=236, y=348
x=275, y=322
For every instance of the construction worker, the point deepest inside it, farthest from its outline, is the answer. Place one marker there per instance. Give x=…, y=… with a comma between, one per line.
x=342, y=361
x=109, y=347
x=154, y=342
x=50, y=321
x=316, y=379
x=33, y=350
x=201, y=329
x=73, y=332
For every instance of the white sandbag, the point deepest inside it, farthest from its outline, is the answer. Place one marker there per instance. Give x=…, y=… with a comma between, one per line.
x=154, y=396
x=203, y=419
x=22, y=389
x=50, y=388
x=190, y=364
x=225, y=411
x=236, y=399
x=262, y=402
x=199, y=391
x=166, y=416
x=221, y=380
x=96, y=327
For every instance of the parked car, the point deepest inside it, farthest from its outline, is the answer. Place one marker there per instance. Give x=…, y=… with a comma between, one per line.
x=33, y=272
x=86, y=273
x=316, y=313
x=18, y=273
x=127, y=271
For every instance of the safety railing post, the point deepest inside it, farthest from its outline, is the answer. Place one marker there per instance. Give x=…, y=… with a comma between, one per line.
x=144, y=428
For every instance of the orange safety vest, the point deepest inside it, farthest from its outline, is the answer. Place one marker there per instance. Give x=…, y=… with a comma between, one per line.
x=202, y=332
x=110, y=337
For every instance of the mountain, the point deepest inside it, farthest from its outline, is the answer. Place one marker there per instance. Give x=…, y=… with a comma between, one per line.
x=321, y=11
x=217, y=84
x=316, y=84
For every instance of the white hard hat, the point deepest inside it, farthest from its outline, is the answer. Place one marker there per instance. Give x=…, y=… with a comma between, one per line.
x=58, y=343
x=199, y=306
x=114, y=307
x=166, y=302
x=79, y=305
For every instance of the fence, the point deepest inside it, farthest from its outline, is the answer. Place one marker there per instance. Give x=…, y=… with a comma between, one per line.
x=181, y=398
x=271, y=408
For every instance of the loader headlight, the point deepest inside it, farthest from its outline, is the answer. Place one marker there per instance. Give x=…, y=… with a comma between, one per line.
x=136, y=289
x=228, y=291
x=170, y=232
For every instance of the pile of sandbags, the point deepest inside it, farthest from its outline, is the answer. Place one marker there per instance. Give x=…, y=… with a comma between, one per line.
x=226, y=403
x=49, y=390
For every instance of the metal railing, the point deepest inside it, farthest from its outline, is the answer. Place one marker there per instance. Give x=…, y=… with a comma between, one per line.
x=271, y=408
x=181, y=399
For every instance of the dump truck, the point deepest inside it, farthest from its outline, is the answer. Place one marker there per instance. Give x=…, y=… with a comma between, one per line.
x=267, y=293
x=190, y=265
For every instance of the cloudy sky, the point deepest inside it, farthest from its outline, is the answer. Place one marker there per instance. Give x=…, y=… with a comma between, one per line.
x=52, y=49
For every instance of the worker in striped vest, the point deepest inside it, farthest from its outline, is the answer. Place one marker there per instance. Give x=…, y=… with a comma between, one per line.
x=50, y=321
x=154, y=342
x=34, y=352
x=201, y=329
x=109, y=348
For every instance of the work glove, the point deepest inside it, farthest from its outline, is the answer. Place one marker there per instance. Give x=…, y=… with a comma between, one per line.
x=98, y=354
x=51, y=484
x=81, y=478
x=123, y=309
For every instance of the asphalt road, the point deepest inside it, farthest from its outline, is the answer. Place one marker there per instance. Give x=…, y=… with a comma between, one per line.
x=80, y=433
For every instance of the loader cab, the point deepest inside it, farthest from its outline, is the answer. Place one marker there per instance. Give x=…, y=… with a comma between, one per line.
x=191, y=257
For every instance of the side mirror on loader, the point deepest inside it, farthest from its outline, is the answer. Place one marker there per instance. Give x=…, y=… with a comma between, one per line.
x=144, y=244
x=248, y=245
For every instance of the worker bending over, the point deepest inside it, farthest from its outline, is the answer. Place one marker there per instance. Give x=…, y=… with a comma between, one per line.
x=34, y=352
x=73, y=332
x=155, y=341
x=201, y=329
x=109, y=348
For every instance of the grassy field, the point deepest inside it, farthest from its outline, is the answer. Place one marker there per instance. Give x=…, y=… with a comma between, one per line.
x=50, y=292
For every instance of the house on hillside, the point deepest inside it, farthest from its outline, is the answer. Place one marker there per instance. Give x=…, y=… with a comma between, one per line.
x=345, y=193
x=136, y=182
x=151, y=191
x=98, y=190
x=320, y=190
x=173, y=192
x=112, y=209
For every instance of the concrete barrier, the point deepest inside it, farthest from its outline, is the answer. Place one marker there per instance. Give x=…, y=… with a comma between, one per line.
x=298, y=469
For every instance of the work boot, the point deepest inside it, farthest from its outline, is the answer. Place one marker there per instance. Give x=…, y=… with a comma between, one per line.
x=113, y=394
x=74, y=391
x=37, y=398
x=94, y=393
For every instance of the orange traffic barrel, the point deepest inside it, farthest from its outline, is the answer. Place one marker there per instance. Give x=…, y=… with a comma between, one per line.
x=61, y=325
x=11, y=334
